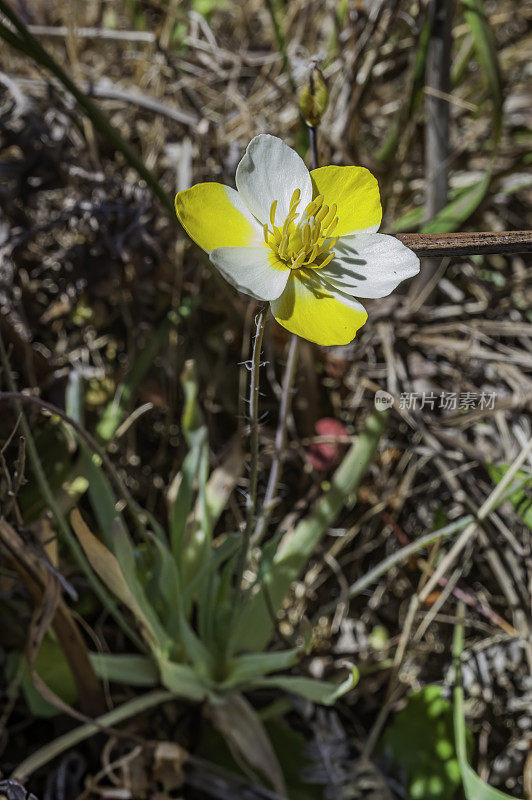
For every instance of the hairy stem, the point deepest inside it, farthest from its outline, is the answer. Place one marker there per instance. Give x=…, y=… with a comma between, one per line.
x=254, y=447
x=280, y=442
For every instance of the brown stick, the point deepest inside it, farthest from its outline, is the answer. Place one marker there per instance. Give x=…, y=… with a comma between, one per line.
x=467, y=244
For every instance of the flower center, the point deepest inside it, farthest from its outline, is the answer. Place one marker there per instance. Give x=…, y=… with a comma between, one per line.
x=303, y=240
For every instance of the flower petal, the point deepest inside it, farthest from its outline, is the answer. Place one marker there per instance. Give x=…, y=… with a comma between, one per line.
x=370, y=265
x=356, y=193
x=317, y=312
x=270, y=170
x=214, y=215
x=252, y=270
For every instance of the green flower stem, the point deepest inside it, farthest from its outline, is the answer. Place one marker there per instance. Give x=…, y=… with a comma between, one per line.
x=51, y=750
x=313, y=137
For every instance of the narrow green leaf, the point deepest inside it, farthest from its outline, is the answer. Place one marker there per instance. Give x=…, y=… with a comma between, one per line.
x=520, y=496
x=322, y=692
x=256, y=665
x=414, y=96
x=184, y=499
x=131, y=670
x=408, y=222
x=182, y=680
x=125, y=555
x=486, y=50
x=460, y=209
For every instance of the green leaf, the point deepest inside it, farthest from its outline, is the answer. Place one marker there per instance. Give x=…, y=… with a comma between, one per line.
x=486, y=50
x=455, y=213
x=256, y=665
x=420, y=739
x=101, y=495
x=52, y=667
x=414, y=96
x=191, y=536
x=254, y=624
x=521, y=499
x=181, y=679
x=290, y=747
x=184, y=498
x=322, y=692
x=125, y=554
x=409, y=222
x=131, y=670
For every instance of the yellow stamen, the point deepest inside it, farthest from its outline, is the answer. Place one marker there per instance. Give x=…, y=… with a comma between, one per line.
x=273, y=209
x=315, y=232
x=325, y=261
x=312, y=255
x=296, y=194
x=266, y=232
x=330, y=216
x=322, y=213
x=296, y=263
x=332, y=226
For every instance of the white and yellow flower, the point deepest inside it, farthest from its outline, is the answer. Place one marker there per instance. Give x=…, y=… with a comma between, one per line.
x=304, y=241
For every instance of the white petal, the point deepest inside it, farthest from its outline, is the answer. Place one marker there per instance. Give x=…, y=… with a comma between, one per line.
x=270, y=170
x=252, y=270
x=370, y=265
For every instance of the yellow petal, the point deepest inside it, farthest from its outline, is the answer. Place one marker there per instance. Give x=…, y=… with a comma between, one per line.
x=214, y=215
x=317, y=313
x=356, y=193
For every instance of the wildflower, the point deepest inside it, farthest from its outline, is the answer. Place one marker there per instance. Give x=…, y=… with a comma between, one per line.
x=305, y=242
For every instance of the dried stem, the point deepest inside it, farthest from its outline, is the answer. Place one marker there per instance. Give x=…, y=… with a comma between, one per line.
x=467, y=244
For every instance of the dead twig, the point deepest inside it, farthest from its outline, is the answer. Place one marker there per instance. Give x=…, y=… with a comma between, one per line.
x=467, y=244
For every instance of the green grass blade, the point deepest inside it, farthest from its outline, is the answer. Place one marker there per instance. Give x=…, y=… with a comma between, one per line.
x=322, y=692
x=486, y=50
x=460, y=209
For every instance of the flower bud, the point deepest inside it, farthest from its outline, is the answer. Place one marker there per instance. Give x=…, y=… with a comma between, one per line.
x=313, y=97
